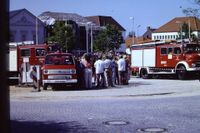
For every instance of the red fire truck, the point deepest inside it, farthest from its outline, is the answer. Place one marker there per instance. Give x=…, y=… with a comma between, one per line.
x=22, y=57
x=161, y=58
x=59, y=69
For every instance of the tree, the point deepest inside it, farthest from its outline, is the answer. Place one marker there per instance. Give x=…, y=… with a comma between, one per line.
x=108, y=39
x=63, y=35
x=184, y=33
x=192, y=11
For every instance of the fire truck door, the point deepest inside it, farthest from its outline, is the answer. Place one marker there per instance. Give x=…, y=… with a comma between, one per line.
x=26, y=70
x=170, y=61
x=174, y=56
x=166, y=57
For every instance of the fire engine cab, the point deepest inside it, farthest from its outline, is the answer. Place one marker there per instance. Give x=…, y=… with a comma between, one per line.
x=161, y=58
x=58, y=69
x=22, y=57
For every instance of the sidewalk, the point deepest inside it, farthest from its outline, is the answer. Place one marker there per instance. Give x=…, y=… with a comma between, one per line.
x=137, y=88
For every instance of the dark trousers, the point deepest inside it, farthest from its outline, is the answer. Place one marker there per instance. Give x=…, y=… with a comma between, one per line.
x=122, y=77
x=100, y=79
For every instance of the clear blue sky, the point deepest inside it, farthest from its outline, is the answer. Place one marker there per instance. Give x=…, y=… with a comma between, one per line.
x=152, y=13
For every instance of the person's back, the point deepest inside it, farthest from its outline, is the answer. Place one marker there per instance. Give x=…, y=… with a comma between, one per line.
x=121, y=69
x=121, y=64
x=99, y=66
x=107, y=63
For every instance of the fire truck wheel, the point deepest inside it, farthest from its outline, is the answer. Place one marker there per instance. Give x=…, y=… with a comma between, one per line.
x=181, y=72
x=45, y=87
x=144, y=74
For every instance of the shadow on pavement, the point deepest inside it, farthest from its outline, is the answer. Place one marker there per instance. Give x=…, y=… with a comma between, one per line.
x=48, y=127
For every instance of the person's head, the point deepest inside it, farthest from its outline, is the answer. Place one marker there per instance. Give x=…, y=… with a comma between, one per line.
x=120, y=56
x=99, y=57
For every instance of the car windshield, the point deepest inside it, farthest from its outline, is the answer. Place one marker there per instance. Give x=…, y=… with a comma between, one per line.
x=59, y=60
x=192, y=48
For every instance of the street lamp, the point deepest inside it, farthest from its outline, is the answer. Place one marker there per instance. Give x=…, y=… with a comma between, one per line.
x=87, y=28
x=138, y=31
x=133, y=34
x=91, y=36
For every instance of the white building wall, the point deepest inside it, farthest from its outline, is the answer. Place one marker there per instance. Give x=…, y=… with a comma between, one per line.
x=169, y=35
x=165, y=36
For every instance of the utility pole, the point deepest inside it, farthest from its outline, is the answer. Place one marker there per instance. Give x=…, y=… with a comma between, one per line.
x=36, y=30
x=189, y=30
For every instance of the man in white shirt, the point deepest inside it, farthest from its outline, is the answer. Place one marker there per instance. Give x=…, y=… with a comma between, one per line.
x=99, y=70
x=121, y=69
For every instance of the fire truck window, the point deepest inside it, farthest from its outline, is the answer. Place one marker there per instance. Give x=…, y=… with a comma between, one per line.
x=68, y=60
x=163, y=51
x=40, y=52
x=59, y=60
x=170, y=50
x=177, y=50
x=49, y=60
x=25, y=52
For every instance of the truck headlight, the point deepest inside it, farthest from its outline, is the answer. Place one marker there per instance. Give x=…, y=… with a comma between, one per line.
x=73, y=71
x=193, y=65
x=45, y=71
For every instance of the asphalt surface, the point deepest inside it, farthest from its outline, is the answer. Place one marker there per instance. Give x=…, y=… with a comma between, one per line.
x=142, y=106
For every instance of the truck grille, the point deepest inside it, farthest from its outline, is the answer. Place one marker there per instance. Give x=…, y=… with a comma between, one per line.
x=197, y=64
x=60, y=77
x=60, y=71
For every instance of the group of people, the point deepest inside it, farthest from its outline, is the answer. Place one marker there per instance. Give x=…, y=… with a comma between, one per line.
x=103, y=70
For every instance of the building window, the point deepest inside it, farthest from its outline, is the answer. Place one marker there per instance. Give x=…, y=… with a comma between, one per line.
x=34, y=38
x=12, y=36
x=23, y=37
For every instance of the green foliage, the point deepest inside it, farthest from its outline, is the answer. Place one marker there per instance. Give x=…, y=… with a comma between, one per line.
x=63, y=35
x=185, y=32
x=192, y=11
x=108, y=39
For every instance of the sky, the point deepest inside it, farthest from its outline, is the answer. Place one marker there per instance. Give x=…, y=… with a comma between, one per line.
x=153, y=13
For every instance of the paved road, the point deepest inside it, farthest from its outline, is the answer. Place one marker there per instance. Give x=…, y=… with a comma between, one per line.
x=171, y=105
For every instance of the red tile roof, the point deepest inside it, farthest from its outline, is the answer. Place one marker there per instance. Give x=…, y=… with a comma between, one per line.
x=104, y=20
x=174, y=24
x=137, y=40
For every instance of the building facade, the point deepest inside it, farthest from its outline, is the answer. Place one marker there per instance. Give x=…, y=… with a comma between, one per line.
x=173, y=29
x=85, y=28
x=146, y=37
x=24, y=26
x=80, y=26
x=102, y=21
